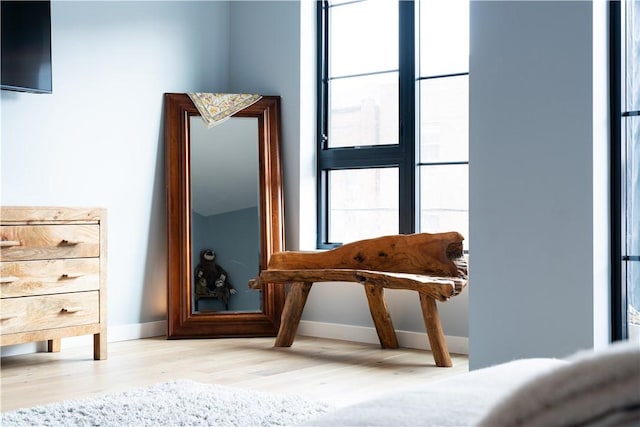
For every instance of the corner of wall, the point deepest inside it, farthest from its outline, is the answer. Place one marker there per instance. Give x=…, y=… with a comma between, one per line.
x=601, y=178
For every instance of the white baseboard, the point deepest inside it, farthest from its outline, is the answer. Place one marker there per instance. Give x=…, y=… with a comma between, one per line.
x=408, y=339
x=114, y=333
x=136, y=331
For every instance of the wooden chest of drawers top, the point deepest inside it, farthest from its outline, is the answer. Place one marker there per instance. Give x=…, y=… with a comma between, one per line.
x=49, y=233
x=12, y=215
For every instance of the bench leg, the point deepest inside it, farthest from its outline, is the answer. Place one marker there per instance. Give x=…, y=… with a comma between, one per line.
x=434, y=331
x=380, y=316
x=292, y=312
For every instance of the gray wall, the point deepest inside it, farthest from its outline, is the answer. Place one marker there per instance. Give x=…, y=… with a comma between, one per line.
x=534, y=152
x=97, y=140
x=272, y=52
x=536, y=217
x=538, y=173
x=264, y=58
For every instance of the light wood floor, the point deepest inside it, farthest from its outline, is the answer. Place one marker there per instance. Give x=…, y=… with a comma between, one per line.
x=338, y=372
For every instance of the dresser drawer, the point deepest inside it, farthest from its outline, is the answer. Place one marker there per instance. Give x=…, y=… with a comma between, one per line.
x=31, y=242
x=25, y=278
x=48, y=312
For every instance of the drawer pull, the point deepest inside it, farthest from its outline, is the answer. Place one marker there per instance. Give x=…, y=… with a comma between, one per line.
x=71, y=310
x=9, y=279
x=9, y=243
x=65, y=242
x=66, y=276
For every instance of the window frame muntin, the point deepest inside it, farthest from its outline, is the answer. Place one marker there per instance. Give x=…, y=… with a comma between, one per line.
x=401, y=155
x=405, y=154
x=619, y=115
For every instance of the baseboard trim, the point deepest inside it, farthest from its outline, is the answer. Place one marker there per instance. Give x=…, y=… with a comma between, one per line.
x=136, y=331
x=114, y=334
x=408, y=339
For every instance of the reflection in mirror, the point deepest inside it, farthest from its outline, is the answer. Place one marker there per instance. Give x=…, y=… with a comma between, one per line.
x=224, y=214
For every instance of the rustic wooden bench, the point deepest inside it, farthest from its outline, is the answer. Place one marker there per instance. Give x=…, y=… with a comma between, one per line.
x=431, y=264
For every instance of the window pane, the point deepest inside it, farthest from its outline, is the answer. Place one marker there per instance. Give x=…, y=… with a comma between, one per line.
x=633, y=293
x=632, y=212
x=633, y=55
x=363, y=203
x=632, y=186
x=363, y=110
x=444, y=199
x=444, y=119
x=363, y=37
x=444, y=37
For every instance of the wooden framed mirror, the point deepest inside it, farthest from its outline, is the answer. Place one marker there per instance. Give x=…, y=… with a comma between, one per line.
x=204, y=187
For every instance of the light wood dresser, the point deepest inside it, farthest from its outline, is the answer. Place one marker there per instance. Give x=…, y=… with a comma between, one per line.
x=53, y=265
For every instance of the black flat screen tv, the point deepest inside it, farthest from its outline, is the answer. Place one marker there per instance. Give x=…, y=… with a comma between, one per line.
x=25, y=45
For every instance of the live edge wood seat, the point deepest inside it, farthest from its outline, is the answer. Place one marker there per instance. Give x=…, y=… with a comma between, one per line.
x=431, y=264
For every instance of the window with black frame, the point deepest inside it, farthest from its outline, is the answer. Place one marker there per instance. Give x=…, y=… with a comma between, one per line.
x=625, y=138
x=392, y=118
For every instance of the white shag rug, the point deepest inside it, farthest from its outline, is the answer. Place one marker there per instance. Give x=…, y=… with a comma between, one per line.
x=175, y=403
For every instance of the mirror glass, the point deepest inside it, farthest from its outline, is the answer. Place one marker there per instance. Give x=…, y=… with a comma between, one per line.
x=225, y=217
x=225, y=226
